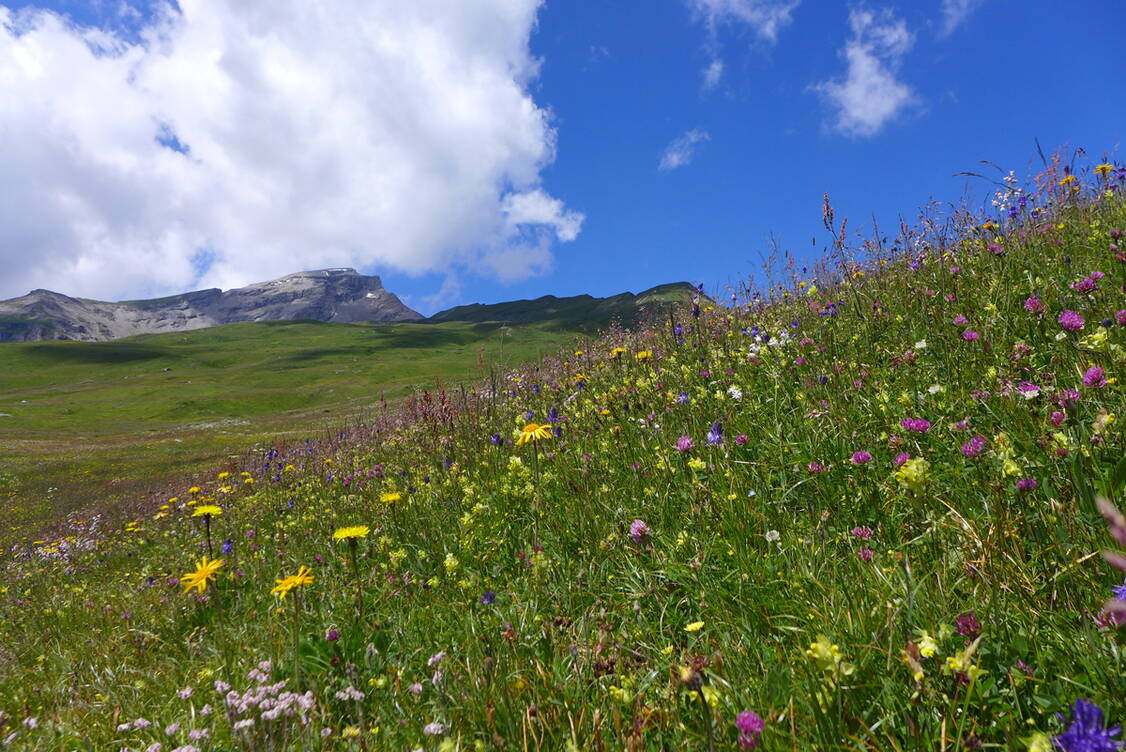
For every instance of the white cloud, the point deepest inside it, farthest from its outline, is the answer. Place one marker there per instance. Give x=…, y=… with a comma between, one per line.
x=870, y=95
x=765, y=17
x=682, y=150
x=368, y=133
x=713, y=73
x=954, y=13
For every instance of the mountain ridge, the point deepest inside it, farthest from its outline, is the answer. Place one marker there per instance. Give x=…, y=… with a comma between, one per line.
x=340, y=295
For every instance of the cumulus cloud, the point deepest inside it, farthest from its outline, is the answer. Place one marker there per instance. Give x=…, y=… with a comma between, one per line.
x=225, y=143
x=713, y=73
x=682, y=150
x=954, y=13
x=870, y=95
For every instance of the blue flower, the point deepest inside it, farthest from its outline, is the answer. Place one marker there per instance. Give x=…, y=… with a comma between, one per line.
x=1119, y=592
x=1087, y=732
x=682, y=398
x=715, y=434
x=227, y=547
x=489, y=598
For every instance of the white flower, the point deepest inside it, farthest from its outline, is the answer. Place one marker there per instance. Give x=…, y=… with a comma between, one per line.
x=773, y=536
x=735, y=392
x=935, y=388
x=434, y=729
x=921, y=345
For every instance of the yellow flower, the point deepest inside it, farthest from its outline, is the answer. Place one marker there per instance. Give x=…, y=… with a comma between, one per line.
x=205, y=571
x=1103, y=169
x=224, y=475
x=303, y=577
x=644, y=355
x=207, y=510
x=390, y=497
x=194, y=490
x=697, y=464
x=695, y=626
x=617, y=351
x=928, y=648
x=351, y=532
x=533, y=432
x=914, y=474
x=1068, y=180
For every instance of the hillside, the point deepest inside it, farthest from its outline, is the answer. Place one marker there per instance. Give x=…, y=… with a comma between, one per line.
x=858, y=511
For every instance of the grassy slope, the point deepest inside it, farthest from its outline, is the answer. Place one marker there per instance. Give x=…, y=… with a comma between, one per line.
x=94, y=422
x=505, y=604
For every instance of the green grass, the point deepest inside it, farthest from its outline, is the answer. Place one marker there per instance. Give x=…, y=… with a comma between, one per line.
x=94, y=424
x=633, y=582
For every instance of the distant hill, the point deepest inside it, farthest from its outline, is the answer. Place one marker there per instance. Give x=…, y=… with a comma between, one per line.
x=330, y=295
x=339, y=295
x=579, y=311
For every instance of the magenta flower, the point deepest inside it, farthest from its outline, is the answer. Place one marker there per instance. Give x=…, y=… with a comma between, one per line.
x=861, y=457
x=684, y=443
x=970, y=335
x=1071, y=321
x=1034, y=305
x=1025, y=485
x=901, y=458
x=741, y=439
x=862, y=531
x=967, y=625
x=918, y=425
x=639, y=531
x=815, y=467
x=1120, y=317
x=1084, y=285
x=865, y=554
x=1094, y=377
x=1057, y=418
x=974, y=446
x=960, y=319
x=750, y=727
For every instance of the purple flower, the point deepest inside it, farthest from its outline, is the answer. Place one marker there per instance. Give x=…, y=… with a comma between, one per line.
x=970, y=335
x=1088, y=732
x=332, y=635
x=1071, y=321
x=715, y=434
x=750, y=727
x=967, y=625
x=1084, y=285
x=639, y=531
x=1057, y=418
x=960, y=319
x=865, y=554
x=684, y=443
x=1120, y=317
x=682, y=398
x=227, y=547
x=918, y=425
x=996, y=249
x=741, y=439
x=863, y=532
x=861, y=457
x=1026, y=484
x=901, y=458
x=1034, y=305
x=974, y=446
x=1094, y=377
x=1119, y=593
x=488, y=598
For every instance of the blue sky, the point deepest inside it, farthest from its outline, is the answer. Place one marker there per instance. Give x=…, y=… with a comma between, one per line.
x=623, y=82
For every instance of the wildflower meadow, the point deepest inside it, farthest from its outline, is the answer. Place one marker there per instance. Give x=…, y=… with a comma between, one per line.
x=870, y=504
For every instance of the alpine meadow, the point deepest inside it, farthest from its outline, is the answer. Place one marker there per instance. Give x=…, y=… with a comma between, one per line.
x=867, y=505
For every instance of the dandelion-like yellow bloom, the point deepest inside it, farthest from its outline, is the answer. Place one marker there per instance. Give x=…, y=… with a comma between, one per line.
x=207, y=510
x=390, y=497
x=533, y=432
x=1068, y=180
x=1104, y=169
x=617, y=351
x=351, y=532
x=303, y=577
x=644, y=355
x=194, y=490
x=206, y=570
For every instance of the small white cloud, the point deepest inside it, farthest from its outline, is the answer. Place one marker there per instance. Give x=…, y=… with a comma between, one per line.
x=681, y=151
x=954, y=13
x=870, y=95
x=765, y=17
x=712, y=74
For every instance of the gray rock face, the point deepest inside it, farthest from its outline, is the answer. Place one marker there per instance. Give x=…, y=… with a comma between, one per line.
x=341, y=295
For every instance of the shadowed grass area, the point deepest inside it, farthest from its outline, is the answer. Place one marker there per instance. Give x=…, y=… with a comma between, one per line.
x=100, y=423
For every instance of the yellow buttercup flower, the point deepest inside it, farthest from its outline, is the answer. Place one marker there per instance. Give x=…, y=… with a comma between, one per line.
x=695, y=626
x=207, y=510
x=644, y=355
x=303, y=577
x=390, y=497
x=617, y=351
x=205, y=571
x=351, y=532
x=533, y=432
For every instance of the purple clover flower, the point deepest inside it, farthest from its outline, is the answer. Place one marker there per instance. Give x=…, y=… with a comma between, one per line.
x=684, y=443
x=1094, y=377
x=750, y=727
x=861, y=457
x=1071, y=321
x=1024, y=485
x=974, y=446
x=639, y=531
x=918, y=425
x=1034, y=305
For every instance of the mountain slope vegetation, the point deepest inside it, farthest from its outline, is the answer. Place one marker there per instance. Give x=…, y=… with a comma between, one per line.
x=856, y=511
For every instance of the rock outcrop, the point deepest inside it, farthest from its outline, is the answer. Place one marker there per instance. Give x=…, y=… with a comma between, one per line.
x=341, y=295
